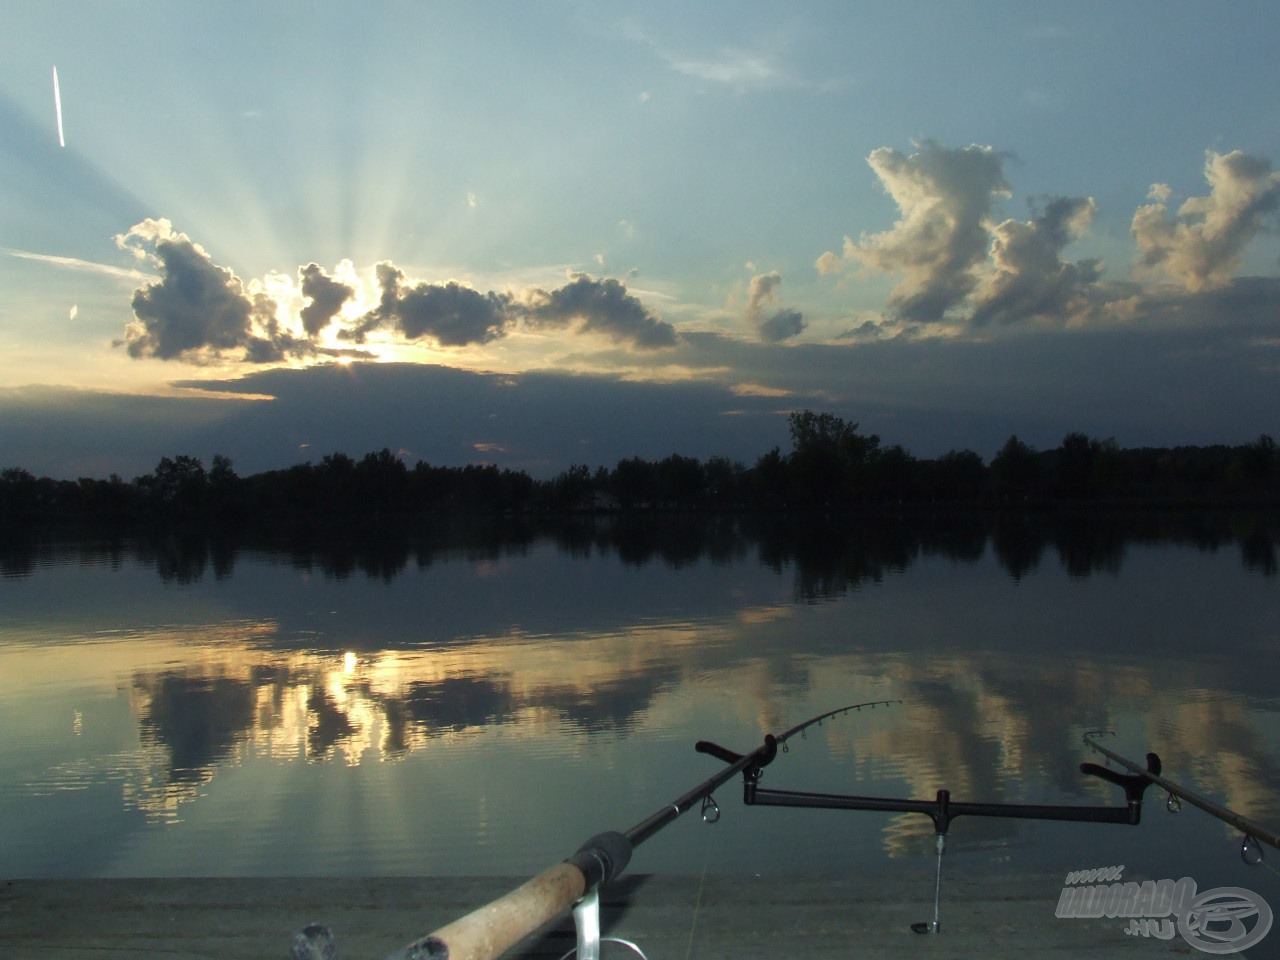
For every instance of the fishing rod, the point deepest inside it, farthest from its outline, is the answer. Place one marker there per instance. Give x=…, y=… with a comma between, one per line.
x=489, y=931
x=1249, y=852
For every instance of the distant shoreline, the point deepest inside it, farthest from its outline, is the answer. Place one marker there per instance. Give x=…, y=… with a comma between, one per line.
x=831, y=470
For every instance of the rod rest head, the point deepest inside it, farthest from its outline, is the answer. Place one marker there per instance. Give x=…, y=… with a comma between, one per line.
x=1133, y=784
x=722, y=754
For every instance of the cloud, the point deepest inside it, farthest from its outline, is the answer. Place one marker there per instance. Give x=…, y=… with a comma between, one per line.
x=741, y=68
x=1031, y=280
x=763, y=290
x=450, y=313
x=456, y=315
x=327, y=295
x=734, y=68
x=778, y=325
x=961, y=268
x=782, y=325
x=1161, y=379
x=1204, y=244
x=197, y=310
x=944, y=198
x=598, y=306
x=536, y=421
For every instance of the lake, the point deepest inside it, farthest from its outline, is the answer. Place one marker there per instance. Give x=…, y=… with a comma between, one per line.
x=481, y=699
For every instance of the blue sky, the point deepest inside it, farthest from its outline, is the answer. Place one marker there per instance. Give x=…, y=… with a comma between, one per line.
x=615, y=229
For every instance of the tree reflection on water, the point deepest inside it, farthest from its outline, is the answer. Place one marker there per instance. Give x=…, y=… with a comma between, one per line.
x=831, y=554
x=1005, y=637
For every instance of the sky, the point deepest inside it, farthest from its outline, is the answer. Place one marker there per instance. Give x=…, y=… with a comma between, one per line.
x=543, y=234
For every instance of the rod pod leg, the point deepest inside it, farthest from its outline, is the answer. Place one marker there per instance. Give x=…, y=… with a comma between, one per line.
x=586, y=918
x=934, y=926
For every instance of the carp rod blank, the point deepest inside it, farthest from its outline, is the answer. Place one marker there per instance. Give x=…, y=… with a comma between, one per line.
x=1246, y=826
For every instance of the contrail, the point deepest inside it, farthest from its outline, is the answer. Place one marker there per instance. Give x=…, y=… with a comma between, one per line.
x=57, y=106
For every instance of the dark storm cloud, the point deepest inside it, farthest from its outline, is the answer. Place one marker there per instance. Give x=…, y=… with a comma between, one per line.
x=327, y=297
x=451, y=314
x=1244, y=308
x=195, y=305
x=597, y=306
x=539, y=422
x=1190, y=377
x=1174, y=375
x=773, y=323
x=782, y=325
x=456, y=315
x=198, y=310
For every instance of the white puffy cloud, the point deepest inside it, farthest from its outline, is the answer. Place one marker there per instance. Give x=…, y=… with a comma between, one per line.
x=1030, y=280
x=961, y=266
x=1203, y=245
x=944, y=198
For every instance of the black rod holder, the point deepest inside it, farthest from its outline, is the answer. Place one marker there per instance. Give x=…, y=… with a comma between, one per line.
x=942, y=809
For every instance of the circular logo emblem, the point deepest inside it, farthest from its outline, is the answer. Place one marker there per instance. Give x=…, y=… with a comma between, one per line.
x=1214, y=922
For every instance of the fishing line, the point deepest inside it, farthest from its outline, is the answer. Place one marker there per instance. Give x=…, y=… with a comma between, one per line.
x=1259, y=859
x=1263, y=863
x=708, y=804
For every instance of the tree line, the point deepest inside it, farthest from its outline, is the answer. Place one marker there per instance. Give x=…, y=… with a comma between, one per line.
x=830, y=467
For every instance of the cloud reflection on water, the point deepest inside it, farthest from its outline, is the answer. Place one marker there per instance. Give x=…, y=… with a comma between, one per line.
x=993, y=707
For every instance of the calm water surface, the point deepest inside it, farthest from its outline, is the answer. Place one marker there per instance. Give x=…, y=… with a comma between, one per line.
x=482, y=703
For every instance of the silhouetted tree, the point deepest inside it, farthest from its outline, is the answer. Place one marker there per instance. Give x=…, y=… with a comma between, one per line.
x=769, y=481
x=893, y=475
x=19, y=495
x=572, y=489
x=679, y=481
x=1015, y=472
x=177, y=486
x=225, y=496
x=1260, y=460
x=828, y=462
x=632, y=483
x=381, y=481
x=723, y=480
x=958, y=476
x=831, y=466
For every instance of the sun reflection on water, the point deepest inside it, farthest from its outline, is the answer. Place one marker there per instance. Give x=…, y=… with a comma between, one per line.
x=250, y=719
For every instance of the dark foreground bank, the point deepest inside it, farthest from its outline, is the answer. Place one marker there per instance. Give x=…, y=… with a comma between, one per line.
x=720, y=917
